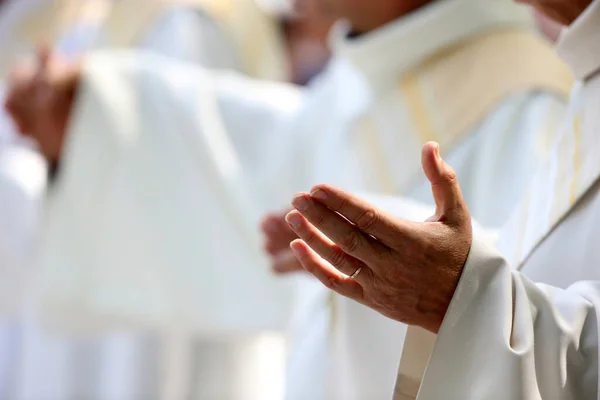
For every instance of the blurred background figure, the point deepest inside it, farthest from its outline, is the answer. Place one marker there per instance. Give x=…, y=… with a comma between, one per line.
x=306, y=32
x=264, y=39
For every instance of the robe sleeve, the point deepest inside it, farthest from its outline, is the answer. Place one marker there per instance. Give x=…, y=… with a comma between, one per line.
x=151, y=221
x=506, y=337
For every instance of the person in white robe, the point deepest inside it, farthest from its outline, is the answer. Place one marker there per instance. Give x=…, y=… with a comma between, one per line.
x=240, y=35
x=514, y=319
x=216, y=183
x=119, y=367
x=352, y=371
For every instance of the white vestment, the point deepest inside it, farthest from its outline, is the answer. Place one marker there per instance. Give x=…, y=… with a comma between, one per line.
x=523, y=323
x=164, y=187
x=118, y=366
x=344, y=350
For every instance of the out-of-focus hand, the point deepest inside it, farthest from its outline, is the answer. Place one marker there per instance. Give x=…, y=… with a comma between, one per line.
x=40, y=98
x=407, y=271
x=562, y=11
x=277, y=237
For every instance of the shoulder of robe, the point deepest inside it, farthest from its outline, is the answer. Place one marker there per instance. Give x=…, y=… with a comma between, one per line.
x=48, y=21
x=124, y=22
x=255, y=33
x=453, y=91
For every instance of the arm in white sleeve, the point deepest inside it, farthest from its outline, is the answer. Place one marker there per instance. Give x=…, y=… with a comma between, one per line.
x=506, y=337
x=150, y=190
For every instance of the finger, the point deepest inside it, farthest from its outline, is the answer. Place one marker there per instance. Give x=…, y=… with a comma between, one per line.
x=326, y=274
x=286, y=263
x=325, y=248
x=368, y=218
x=343, y=233
x=449, y=202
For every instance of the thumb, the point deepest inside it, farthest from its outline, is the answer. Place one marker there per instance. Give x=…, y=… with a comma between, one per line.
x=449, y=203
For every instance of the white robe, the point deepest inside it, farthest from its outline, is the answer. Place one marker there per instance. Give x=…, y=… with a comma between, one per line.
x=524, y=323
x=212, y=184
x=355, y=355
x=118, y=366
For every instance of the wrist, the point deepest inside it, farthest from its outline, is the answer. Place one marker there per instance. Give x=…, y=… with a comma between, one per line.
x=434, y=304
x=435, y=300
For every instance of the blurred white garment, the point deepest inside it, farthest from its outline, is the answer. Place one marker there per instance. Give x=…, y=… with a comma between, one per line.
x=233, y=37
x=342, y=350
x=523, y=320
x=193, y=206
x=22, y=183
x=127, y=366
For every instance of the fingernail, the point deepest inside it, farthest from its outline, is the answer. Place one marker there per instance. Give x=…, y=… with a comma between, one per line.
x=297, y=252
x=319, y=194
x=437, y=153
x=294, y=220
x=300, y=203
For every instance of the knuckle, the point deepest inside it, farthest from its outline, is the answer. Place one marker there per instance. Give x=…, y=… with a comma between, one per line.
x=319, y=219
x=337, y=257
x=331, y=283
x=309, y=238
x=367, y=220
x=448, y=175
x=343, y=204
x=350, y=242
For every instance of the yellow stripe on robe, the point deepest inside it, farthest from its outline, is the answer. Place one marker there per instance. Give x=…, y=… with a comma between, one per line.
x=254, y=32
x=576, y=161
x=453, y=91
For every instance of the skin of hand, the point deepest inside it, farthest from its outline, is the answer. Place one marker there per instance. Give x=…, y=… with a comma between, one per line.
x=407, y=271
x=562, y=11
x=277, y=238
x=40, y=98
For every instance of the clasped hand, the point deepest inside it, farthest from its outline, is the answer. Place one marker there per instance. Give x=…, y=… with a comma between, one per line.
x=40, y=99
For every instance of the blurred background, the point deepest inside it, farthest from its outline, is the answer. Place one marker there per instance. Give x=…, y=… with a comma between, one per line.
x=277, y=40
